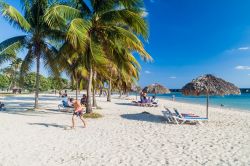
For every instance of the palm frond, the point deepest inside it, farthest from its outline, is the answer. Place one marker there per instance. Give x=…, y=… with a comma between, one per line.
x=49, y=57
x=12, y=15
x=77, y=34
x=128, y=40
x=130, y=19
x=10, y=47
x=26, y=65
x=58, y=15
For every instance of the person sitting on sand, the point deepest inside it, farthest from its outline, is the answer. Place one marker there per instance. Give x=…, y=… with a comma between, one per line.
x=84, y=100
x=67, y=102
x=1, y=106
x=78, y=112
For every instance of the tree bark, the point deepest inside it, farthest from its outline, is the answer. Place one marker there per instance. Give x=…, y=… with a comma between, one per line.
x=76, y=87
x=100, y=94
x=37, y=79
x=94, y=89
x=207, y=105
x=120, y=91
x=89, y=105
x=109, y=91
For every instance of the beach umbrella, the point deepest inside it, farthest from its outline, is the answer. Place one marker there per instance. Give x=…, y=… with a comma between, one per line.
x=156, y=89
x=209, y=85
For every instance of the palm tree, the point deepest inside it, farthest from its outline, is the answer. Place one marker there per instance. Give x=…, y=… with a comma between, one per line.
x=95, y=30
x=35, y=40
x=12, y=71
x=16, y=64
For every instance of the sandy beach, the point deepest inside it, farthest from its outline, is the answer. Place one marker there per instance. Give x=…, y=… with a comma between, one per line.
x=124, y=136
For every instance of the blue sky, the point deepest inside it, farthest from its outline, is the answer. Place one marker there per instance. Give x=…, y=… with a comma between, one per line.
x=191, y=38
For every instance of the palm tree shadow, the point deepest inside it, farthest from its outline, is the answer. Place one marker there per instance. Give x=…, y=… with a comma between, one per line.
x=146, y=117
x=49, y=125
x=128, y=104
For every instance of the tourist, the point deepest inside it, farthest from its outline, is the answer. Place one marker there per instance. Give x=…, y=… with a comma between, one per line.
x=78, y=112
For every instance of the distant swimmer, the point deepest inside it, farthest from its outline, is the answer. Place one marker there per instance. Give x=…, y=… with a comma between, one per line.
x=222, y=105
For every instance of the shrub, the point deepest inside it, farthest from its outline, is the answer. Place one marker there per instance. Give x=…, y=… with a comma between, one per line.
x=93, y=115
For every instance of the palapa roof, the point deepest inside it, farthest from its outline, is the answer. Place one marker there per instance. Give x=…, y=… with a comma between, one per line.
x=211, y=85
x=156, y=88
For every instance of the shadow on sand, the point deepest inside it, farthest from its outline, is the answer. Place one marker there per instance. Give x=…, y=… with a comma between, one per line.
x=128, y=104
x=146, y=117
x=32, y=113
x=49, y=125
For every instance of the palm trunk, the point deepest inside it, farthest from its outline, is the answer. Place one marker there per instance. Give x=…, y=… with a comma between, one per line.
x=109, y=91
x=15, y=77
x=120, y=91
x=89, y=105
x=37, y=79
x=94, y=89
x=100, y=94
x=207, y=104
x=76, y=88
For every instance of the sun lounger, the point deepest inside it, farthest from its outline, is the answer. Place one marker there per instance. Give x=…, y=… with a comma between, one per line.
x=180, y=119
x=185, y=119
x=151, y=104
x=168, y=115
x=185, y=115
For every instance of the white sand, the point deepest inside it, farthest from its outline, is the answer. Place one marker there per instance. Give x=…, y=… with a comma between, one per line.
x=124, y=136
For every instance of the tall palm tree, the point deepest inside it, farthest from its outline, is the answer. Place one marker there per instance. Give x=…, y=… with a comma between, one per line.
x=94, y=30
x=35, y=40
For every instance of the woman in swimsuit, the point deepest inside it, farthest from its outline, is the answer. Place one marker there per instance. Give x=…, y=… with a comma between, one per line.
x=77, y=113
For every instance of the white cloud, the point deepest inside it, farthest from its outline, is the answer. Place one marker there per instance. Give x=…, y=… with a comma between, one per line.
x=172, y=77
x=147, y=72
x=144, y=14
x=242, y=67
x=243, y=48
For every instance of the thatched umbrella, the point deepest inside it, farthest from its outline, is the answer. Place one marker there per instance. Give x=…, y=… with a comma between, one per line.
x=156, y=89
x=209, y=85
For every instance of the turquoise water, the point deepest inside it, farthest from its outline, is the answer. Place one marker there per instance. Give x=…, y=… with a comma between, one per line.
x=232, y=101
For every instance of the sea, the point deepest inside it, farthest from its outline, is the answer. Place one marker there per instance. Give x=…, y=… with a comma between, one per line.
x=241, y=102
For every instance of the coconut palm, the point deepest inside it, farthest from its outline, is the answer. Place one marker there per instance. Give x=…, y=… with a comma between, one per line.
x=16, y=64
x=12, y=71
x=95, y=30
x=35, y=39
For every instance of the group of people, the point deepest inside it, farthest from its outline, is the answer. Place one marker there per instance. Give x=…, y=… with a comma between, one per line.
x=78, y=108
x=146, y=100
x=63, y=94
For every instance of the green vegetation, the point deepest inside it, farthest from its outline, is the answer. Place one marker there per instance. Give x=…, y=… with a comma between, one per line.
x=92, y=115
x=93, y=43
x=35, y=41
x=4, y=82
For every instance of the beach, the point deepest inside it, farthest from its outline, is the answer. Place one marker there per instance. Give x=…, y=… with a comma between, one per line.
x=124, y=136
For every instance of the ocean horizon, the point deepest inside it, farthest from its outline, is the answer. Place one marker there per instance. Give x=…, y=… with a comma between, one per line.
x=240, y=102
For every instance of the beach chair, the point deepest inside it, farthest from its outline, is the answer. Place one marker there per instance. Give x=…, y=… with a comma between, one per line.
x=182, y=118
x=183, y=114
x=188, y=118
x=169, y=116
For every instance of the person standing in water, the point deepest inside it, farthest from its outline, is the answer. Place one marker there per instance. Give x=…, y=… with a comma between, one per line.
x=78, y=112
x=173, y=97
